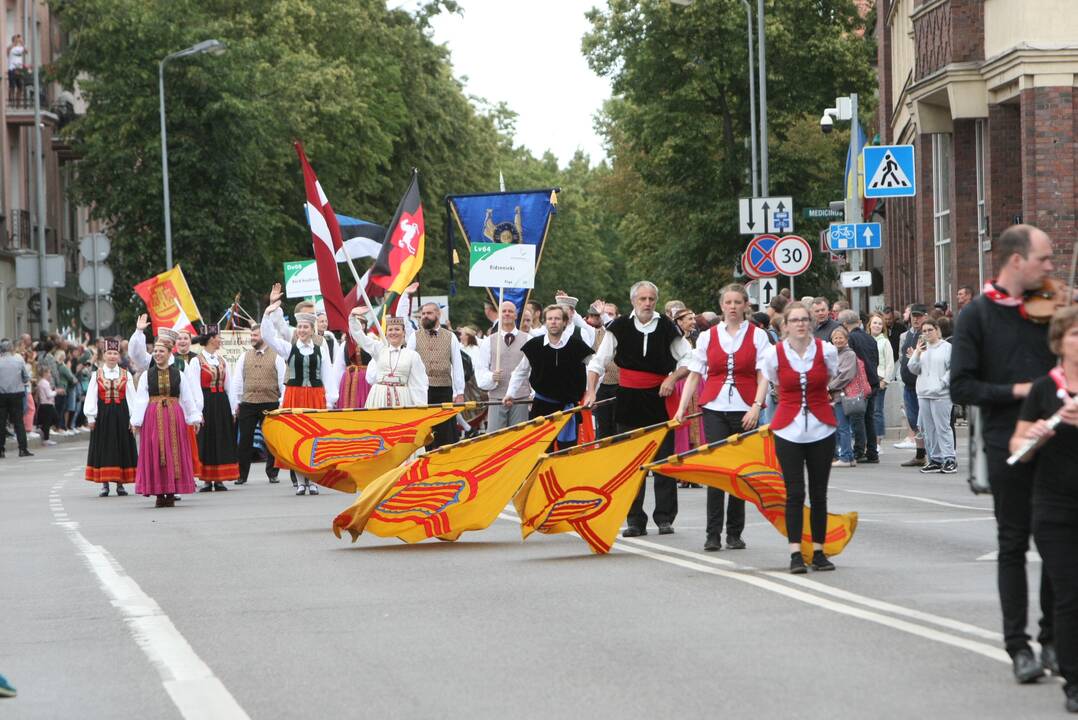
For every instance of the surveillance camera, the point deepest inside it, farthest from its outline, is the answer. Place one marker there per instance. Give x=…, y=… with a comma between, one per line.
x=826, y=124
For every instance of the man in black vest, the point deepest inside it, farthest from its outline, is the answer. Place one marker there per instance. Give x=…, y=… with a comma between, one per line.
x=650, y=354
x=554, y=365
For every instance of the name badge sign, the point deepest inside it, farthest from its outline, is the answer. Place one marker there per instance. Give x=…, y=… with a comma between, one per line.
x=502, y=265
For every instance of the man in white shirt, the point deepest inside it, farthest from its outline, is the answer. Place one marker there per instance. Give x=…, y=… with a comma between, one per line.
x=439, y=349
x=499, y=354
x=256, y=388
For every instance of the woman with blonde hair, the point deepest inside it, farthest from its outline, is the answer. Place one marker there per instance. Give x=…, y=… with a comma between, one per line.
x=877, y=328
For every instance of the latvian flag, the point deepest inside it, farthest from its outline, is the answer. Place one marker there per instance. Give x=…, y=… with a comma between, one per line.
x=326, y=237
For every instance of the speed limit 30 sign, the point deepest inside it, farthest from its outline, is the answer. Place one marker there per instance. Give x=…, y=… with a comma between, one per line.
x=792, y=255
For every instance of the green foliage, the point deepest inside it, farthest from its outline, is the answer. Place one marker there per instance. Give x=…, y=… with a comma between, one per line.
x=677, y=129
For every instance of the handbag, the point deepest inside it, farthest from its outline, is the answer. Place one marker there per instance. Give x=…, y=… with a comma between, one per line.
x=855, y=395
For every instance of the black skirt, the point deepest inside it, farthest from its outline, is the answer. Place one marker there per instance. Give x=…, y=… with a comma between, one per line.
x=217, y=439
x=112, y=456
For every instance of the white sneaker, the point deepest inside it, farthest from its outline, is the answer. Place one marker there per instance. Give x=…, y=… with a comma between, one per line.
x=842, y=463
x=83, y=429
x=312, y=489
x=878, y=450
x=49, y=442
x=906, y=445
x=301, y=489
x=33, y=435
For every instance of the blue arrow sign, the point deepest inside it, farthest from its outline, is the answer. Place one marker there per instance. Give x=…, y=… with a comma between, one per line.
x=855, y=236
x=890, y=171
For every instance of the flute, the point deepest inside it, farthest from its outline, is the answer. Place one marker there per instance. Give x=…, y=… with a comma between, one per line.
x=1052, y=423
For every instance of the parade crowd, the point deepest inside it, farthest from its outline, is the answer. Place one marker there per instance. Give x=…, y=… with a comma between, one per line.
x=162, y=414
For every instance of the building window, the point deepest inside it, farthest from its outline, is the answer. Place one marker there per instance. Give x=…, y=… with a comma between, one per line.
x=982, y=207
x=941, y=213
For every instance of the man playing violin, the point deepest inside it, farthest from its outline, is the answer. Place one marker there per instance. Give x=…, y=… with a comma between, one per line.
x=997, y=351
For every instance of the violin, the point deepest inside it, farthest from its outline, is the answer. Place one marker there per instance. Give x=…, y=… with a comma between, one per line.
x=1042, y=303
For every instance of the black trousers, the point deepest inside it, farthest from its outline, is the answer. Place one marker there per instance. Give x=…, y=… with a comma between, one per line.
x=445, y=433
x=665, y=490
x=869, y=420
x=604, y=416
x=1012, y=500
x=794, y=459
x=248, y=417
x=46, y=418
x=719, y=425
x=11, y=405
x=1057, y=540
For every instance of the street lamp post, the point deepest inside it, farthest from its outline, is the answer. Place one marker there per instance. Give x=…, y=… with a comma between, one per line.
x=752, y=104
x=214, y=47
x=762, y=48
x=846, y=109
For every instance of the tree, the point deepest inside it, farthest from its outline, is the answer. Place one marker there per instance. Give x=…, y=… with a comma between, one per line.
x=677, y=129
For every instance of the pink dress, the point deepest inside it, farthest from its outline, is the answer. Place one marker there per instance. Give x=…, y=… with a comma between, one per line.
x=163, y=405
x=691, y=433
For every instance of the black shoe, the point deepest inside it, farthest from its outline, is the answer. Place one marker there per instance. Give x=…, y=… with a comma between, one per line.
x=633, y=531
x=735, y=543
x=161, y=501
x=870, y=460
x=208, y=487
x=104, y=492
x=25, y=453
x=274, y=479
x=932, y=467
x=3, y=453
x=1071, y=705
x=861, y=459
x=219, y=487
x=820, y=562
x=241, y=481
x=797, y=564
x=666, y=529
x=120, y=489
x=1049, y=659
x=712, y=543
x=1026, y=668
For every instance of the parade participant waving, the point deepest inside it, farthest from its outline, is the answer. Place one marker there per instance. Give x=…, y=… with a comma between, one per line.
x=727, y=358
x=182, y=353
x=137, y=353
x=310, y=382
x=402, y=377
x=164, y=402
x=1055, y=486
x=112, y=456
x=217, y=437
x=650, y=354
x=804, y=426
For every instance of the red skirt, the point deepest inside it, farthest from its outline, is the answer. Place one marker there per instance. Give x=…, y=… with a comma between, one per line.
x=309, y=398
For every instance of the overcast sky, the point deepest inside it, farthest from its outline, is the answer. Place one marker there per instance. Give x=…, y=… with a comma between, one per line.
x=527, y=54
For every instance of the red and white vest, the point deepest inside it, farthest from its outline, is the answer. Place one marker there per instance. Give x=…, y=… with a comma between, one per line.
x=801, y=393
x=740, y=365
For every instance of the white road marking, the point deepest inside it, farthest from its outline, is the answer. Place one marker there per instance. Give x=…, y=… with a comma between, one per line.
x=1031, y=556
x=197, y=693
x=949, y=520
x=754, y=577
x=917, y=498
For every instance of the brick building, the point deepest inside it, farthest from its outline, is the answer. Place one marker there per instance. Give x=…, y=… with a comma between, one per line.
x=984, y=90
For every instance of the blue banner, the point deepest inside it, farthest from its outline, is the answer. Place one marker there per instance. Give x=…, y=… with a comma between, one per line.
x=507, y=217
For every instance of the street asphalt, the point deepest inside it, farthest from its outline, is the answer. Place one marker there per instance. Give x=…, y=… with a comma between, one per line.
x=244, y=604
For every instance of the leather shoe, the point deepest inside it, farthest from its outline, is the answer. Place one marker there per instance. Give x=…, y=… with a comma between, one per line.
x=1049, y=659
x=104, y=492
x=820, y=562
x=120, y=489
x=219, y=487
x=735, y=543
x=870, y=460
x=208, y=487
x=241, y=481
x=632, y=531
x=712, y=544
x=25, y=453
x=274, y=479
x=1026, y=668
x=3, y=453
x=666, y=529
x=1072, y=699
x=797, y=564
x=914, y=462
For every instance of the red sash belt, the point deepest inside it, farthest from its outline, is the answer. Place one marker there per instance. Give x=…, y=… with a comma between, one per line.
x=643, y=380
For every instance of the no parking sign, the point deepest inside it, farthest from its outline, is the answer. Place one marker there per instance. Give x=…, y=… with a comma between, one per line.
x=759, y=260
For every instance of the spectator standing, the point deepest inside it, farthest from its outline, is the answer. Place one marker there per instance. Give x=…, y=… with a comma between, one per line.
x=931, y=363
x=864, y=426
x=13, y=379
x=894, y=327
x=46, y=405
x=821, y=313
x=16, y=66
x=909, y=382
x=885, y=370
x=845, y=372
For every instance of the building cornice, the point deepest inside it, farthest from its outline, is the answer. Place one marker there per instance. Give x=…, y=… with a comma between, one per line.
x=926, y=8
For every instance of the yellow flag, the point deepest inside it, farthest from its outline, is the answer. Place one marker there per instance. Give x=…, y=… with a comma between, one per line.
x=746, y=466
x=169, y=301
x=587, y=490
x=453, y=489
x=347, y=449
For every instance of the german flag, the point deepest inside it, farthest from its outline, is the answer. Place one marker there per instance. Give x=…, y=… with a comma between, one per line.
x=401, y=256
x=746, y=466
x=454, y=489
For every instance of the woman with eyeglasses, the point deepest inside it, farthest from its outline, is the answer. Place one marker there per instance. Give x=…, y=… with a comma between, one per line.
x=801, y=366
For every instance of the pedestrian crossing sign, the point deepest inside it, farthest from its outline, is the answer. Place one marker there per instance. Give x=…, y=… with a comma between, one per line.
x=889, y=171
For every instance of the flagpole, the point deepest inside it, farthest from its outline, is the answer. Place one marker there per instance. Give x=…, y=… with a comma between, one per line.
x=359, y=284
x=498, y=345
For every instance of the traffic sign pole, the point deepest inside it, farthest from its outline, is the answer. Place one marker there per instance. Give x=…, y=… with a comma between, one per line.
x=854, y=204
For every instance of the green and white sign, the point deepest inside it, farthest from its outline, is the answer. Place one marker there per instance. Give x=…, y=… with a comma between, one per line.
x=301, y=279
x=502, y=265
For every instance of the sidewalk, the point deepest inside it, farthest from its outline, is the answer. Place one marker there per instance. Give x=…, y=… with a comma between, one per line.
x=35, y=444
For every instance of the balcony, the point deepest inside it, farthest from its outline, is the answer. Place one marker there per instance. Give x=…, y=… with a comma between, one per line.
x=19, y=235
x=20, y=105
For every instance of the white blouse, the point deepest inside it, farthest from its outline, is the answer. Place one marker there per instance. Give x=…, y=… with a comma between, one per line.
x=139, y=400
x=728, y=399
x=801, y=431
x=89, y=404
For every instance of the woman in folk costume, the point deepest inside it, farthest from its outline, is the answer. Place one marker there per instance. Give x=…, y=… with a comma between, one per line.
x=354, y=386
x=217, y=438
x=726, y=364
x=402, y=377
x=163, y=404
x=310, y=382
x=112, y=456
